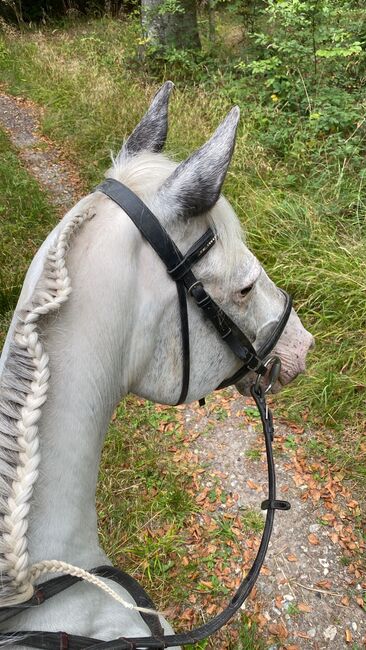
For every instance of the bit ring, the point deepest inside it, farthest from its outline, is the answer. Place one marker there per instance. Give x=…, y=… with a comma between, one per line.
x=273, y=373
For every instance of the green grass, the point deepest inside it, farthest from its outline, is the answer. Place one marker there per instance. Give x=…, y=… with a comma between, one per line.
x=25, y=220
x=252, y=520
x=143, y=503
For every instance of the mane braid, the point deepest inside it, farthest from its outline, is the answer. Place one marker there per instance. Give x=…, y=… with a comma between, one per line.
x=23, y=391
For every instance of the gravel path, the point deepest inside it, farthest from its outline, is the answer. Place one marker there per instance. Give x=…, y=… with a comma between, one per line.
x=311, y=593
x=308, y=598
x=42, y=158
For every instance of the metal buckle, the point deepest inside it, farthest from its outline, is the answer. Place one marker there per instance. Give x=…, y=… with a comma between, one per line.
x=273, y=376
x=195, y=284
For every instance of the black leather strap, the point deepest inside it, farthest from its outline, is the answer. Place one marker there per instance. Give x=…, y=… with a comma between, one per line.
x=144, y=220
x=177, y=263
x=269, y=344
x=43, y=592
x=194, y=254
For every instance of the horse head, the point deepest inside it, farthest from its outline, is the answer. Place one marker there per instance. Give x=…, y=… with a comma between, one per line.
x=186, y=198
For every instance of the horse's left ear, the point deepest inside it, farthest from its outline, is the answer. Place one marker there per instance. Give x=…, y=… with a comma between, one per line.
x=195, y=186
x=150, y=134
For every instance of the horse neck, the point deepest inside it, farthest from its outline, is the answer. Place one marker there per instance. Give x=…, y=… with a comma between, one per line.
x=87, y=379
x=63, y=523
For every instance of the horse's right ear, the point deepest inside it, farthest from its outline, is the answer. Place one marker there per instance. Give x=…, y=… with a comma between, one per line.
x=195, y=185
x=150, y=134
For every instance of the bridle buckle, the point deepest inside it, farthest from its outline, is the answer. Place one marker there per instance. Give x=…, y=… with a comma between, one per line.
x=274, y=373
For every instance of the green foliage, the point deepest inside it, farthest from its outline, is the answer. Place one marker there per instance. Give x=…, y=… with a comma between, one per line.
x=170, y=7
x=25, y=11
x=26, y=218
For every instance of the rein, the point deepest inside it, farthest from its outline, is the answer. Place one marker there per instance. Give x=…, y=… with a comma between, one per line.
x=179, y=267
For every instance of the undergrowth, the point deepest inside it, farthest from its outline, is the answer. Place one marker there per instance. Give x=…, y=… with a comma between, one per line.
x=301, y=201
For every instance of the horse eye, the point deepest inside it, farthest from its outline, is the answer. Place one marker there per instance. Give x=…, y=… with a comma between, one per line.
x=244, y=292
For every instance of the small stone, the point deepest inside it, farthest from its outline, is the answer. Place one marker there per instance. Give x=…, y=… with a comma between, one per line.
x=354, y=626
x=312, y=632
x=288, y=597
x=314, y=528
x=330, y=632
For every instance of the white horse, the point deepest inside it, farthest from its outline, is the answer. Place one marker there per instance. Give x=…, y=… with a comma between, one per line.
x=98, y=318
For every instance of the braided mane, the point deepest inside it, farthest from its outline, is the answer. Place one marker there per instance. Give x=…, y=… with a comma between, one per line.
x=23, y=391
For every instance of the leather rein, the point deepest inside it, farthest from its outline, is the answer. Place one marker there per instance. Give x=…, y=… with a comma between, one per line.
x=179, y=267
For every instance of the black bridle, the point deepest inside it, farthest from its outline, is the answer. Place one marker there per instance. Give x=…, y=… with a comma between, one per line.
x=179, y=267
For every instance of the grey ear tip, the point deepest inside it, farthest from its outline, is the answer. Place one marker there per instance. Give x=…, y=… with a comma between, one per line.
x=235, y=113
x=165, y=90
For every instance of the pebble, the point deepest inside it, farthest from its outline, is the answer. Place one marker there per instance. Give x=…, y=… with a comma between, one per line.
x=330, y=632
x=288, y=597
x=312, y=632
x=314, y=528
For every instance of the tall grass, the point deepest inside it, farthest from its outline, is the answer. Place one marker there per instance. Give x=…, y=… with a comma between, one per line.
x=94, y=92
x=25, y=220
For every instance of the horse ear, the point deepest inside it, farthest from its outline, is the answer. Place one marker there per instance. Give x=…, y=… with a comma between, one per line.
x=195, y=185
x=150, y=134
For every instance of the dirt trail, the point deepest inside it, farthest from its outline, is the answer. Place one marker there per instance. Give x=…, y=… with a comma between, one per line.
x=20, y=118
x=307, y=597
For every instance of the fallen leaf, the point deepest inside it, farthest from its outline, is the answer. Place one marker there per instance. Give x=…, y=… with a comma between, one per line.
x=313, y=539
x=291, y=558
x=265, y=571
x=278, y=601
x=304, y=607
x=348, y=635
x=324, y=584
x=278, y=629
x=252, y=485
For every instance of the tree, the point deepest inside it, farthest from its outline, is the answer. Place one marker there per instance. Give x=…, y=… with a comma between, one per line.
x=171, y=23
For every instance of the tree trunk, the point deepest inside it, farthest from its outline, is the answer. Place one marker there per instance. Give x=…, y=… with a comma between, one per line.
x=175, y=27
